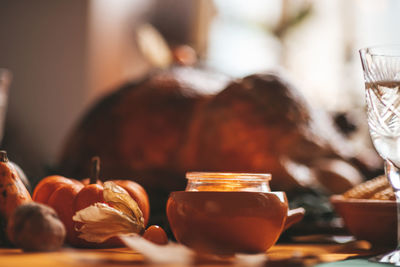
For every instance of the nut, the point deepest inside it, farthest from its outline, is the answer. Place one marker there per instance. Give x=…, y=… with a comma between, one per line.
x=36, y=227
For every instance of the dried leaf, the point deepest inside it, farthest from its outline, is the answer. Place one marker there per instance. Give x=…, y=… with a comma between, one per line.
x=172, y=253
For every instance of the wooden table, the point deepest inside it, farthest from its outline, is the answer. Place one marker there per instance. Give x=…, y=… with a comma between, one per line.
x=278, y=255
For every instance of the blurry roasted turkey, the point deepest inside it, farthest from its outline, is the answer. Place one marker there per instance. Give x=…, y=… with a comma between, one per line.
x=186, y=119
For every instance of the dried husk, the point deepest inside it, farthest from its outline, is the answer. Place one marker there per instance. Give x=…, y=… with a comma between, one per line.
x=119, y=215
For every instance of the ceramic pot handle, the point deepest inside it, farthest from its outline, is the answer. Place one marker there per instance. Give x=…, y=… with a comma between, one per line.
x=294, y=216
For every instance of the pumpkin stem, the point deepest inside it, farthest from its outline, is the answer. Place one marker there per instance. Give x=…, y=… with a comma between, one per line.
x=3, y=156
x=94, y=175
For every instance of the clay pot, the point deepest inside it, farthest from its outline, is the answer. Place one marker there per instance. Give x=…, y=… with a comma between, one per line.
x=226, y=213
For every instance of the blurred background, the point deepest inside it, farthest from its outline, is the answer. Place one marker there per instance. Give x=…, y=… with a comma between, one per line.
x=64, y=55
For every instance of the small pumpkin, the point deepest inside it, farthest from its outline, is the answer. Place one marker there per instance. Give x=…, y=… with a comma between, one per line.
x=93, y=191
x=59, y=193
x=69, y=196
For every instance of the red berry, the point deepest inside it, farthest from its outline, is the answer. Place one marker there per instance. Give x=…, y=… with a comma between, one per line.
x=156, y=234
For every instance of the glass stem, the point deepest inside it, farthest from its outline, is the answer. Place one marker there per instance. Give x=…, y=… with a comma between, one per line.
x=393, y=175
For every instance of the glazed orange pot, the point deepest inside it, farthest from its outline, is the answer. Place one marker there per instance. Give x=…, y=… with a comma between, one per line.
x=229, y=213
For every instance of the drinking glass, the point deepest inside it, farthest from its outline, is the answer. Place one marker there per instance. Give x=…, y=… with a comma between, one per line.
x=5, y=80
x=381, y=65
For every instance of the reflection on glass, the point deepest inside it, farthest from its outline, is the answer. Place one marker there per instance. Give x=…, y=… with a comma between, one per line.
x=5, y=79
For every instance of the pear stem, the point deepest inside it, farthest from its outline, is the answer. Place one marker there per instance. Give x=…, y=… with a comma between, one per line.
x=3, y=156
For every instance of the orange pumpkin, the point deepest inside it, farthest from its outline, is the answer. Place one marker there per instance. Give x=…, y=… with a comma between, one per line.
x=62, y=202
x=49, y=185
x=67, y=196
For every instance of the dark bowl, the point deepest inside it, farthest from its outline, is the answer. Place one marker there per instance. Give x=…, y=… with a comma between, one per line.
x=367, y=219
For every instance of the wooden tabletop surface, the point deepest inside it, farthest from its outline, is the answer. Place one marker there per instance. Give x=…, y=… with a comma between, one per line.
x=282, y=254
